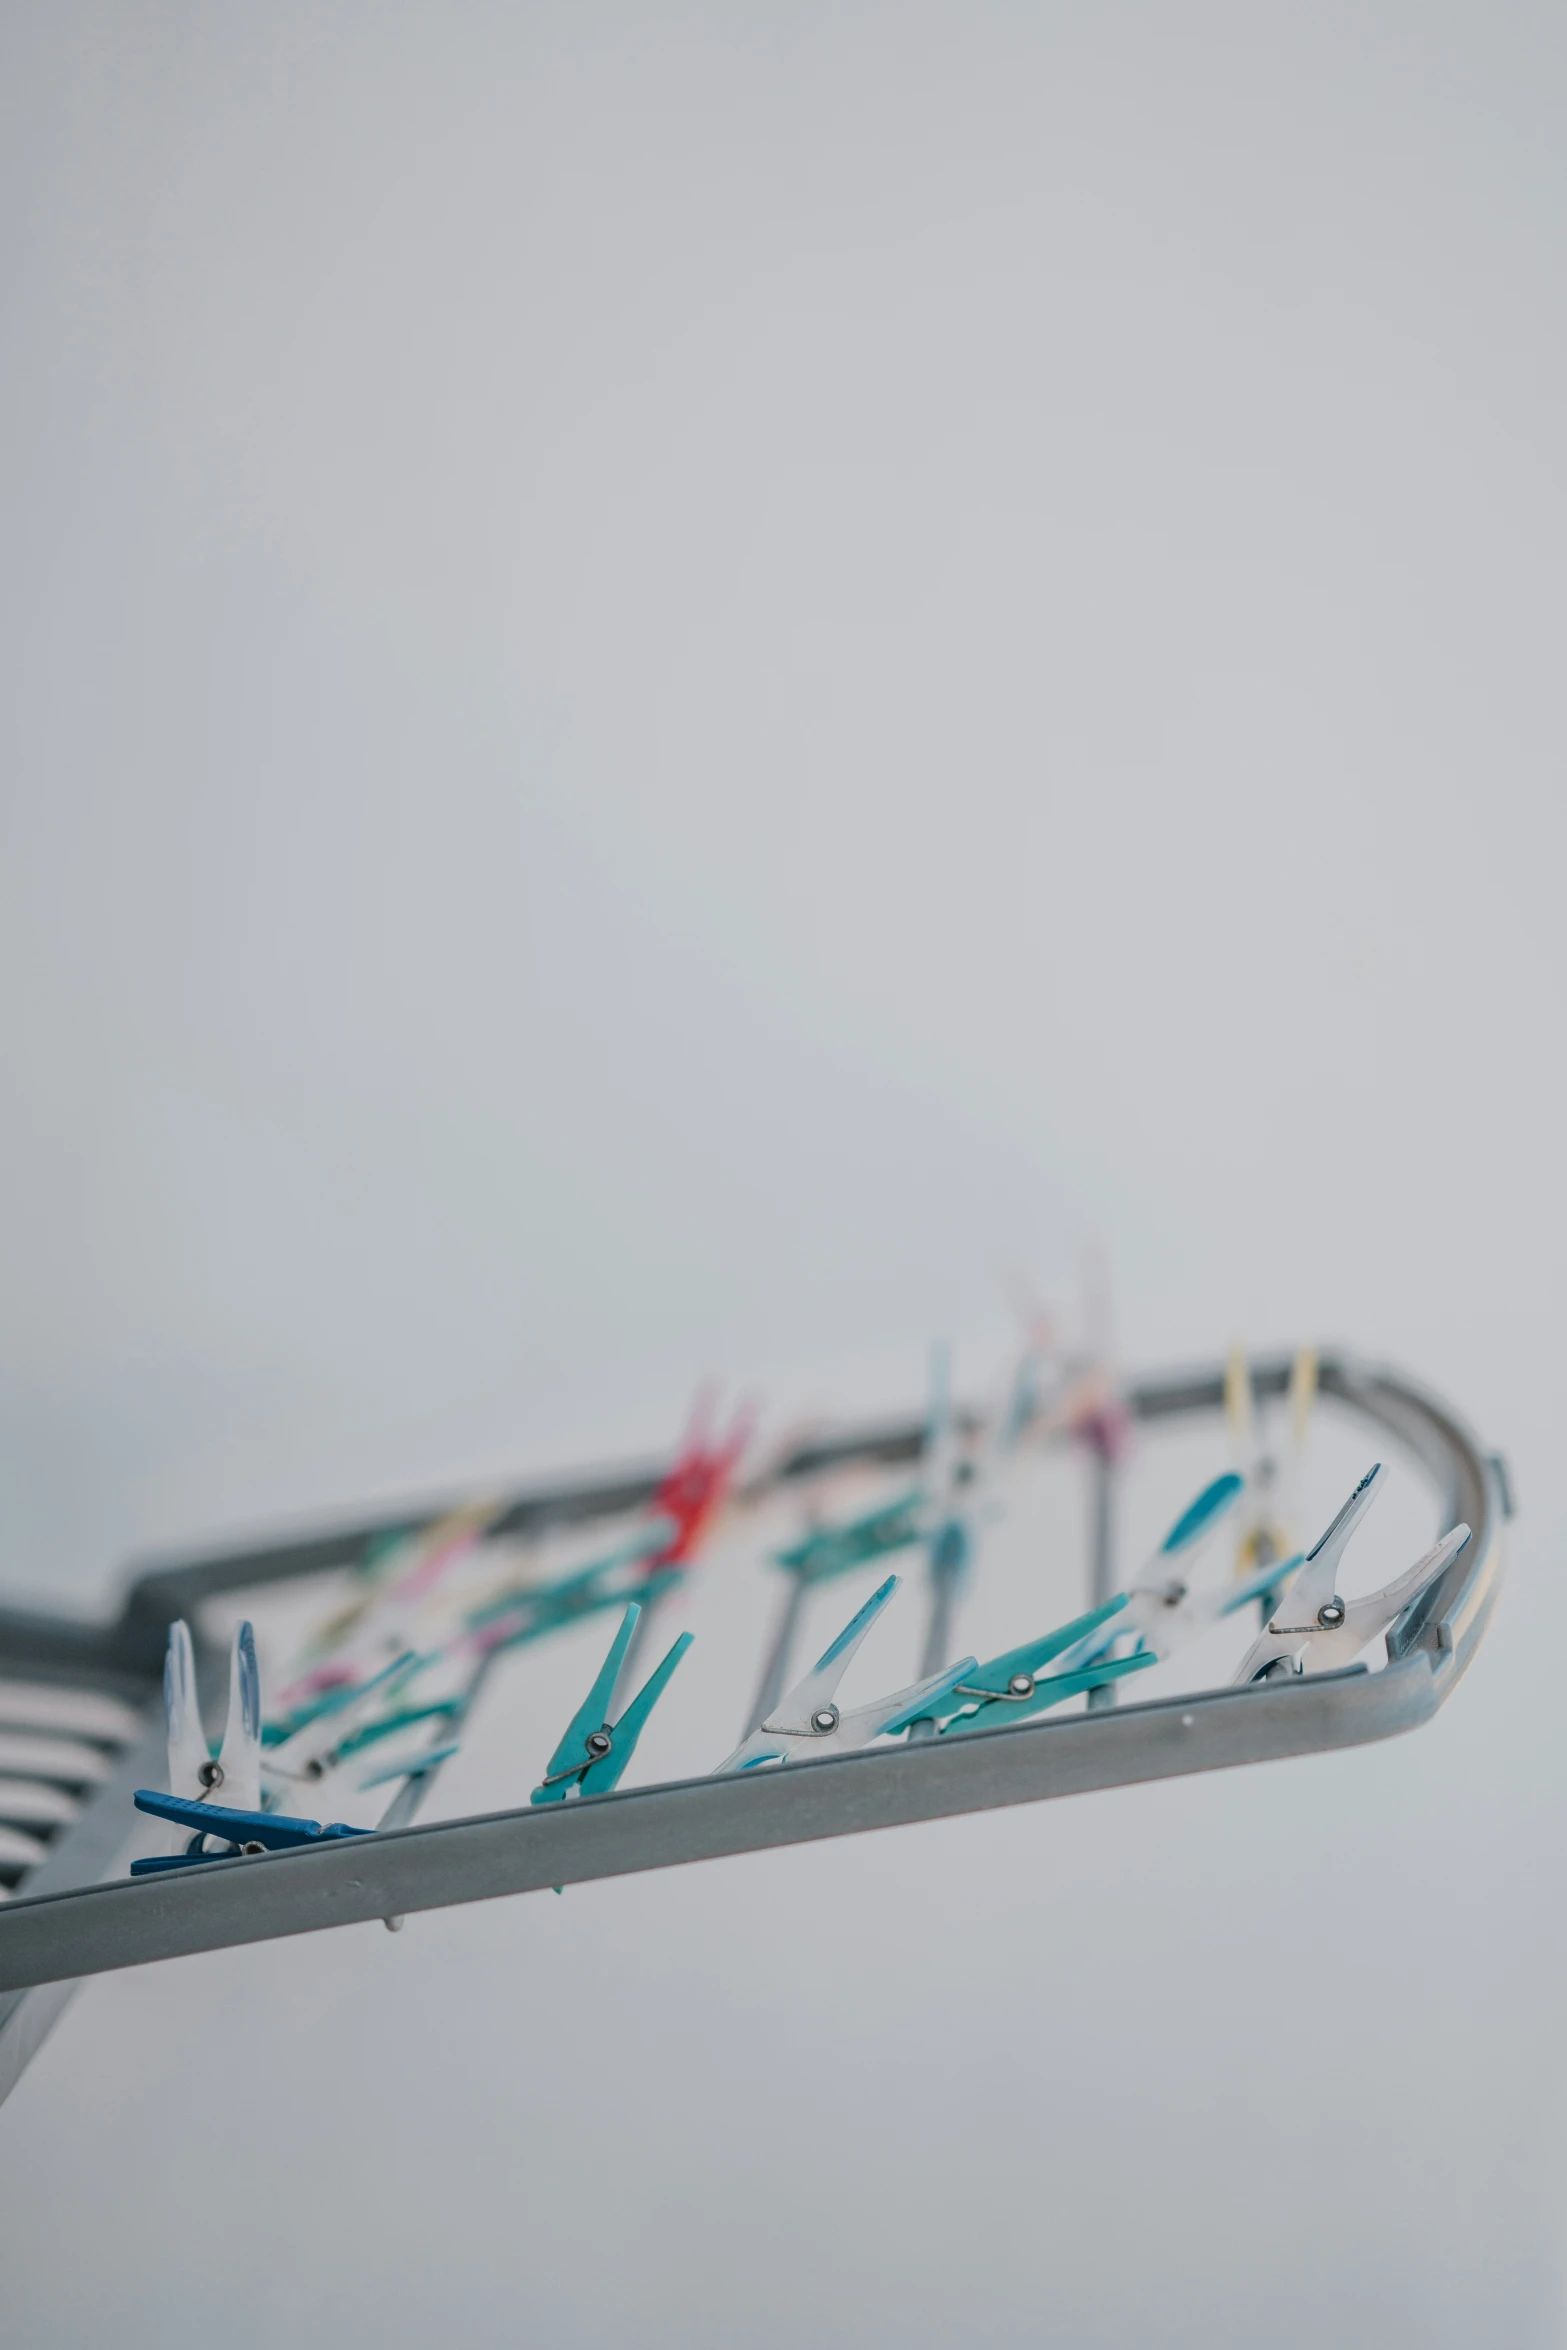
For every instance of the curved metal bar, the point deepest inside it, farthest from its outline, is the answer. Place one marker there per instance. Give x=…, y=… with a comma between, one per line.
x=371, y=1877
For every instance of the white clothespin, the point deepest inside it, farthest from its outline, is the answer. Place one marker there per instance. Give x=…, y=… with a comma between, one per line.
x=808, y=1723
x=1165, y=1606
x=1313, y=1629
x=234, y=1779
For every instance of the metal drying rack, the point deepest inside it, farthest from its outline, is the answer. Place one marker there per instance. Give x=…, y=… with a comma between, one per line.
x=80, y=1712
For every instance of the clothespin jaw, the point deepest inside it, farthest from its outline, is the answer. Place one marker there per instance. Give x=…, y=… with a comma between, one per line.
x=607, y=1770
x=809, y=1723
x=244, y=1831
x=1200, y=1517
x=595, y=1751
x=239, y=1757
x=813, y=1694
x=1314, y=1586
x=193, y=1770
x=575, y=1754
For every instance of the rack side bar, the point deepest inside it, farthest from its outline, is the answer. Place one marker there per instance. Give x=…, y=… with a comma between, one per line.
x=348, y=1882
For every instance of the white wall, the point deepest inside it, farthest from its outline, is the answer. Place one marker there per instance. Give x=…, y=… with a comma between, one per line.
x=675, y=679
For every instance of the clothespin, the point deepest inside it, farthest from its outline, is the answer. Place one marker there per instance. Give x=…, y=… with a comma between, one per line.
x=826, y=1551
x=951, y=1493
x=832, y=1550
x=1013, y=1686
x=1090, y=1407
x=1164, y=1606
x=595, y=1751
x=336, y=1723
x=419, y=1766
x=809, y=1723
x=1267, y=1526
x=1314, y=1630
x=698, y=1481
x=1036, y=1368
x=404, y=1574
x=405, y=1717
x=243, y=1831
x=528, y=1610
x=194, y=1774
x=689, y=1498
x=1093, y=1413
x=948, y=1475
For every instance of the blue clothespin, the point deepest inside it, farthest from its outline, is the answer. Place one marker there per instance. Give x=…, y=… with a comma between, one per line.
x=595, y=1751
x=244, y=1831
x=1011, y=1687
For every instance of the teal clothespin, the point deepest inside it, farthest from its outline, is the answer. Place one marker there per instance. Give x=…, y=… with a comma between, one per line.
x=595, y=1751
x=1011, y=1687
x=530, y=1610
x=833, y=1550
x=418, y=1766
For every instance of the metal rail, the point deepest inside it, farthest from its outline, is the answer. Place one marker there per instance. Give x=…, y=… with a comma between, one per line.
x=57, y=1936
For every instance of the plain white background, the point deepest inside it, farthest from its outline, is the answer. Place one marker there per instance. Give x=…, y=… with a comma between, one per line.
x=677, y=680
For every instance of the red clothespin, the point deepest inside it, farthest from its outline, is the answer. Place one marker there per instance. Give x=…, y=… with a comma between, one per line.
x=698, y=1482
